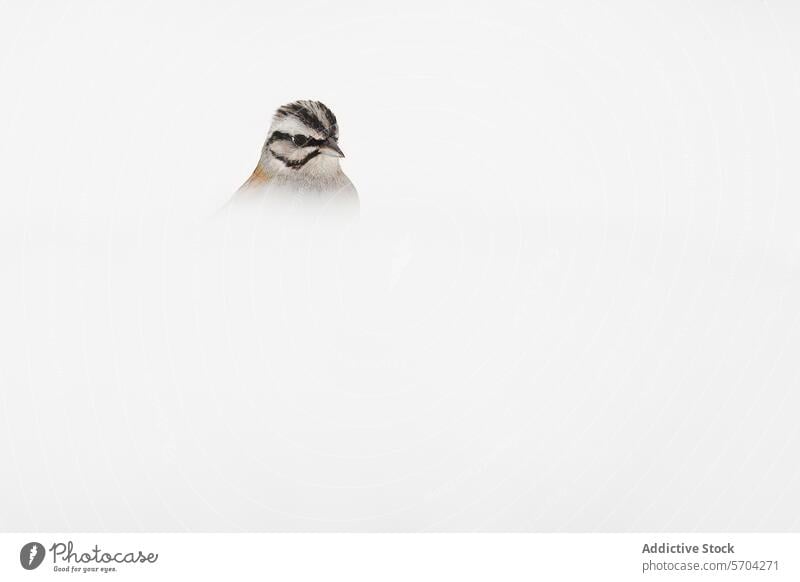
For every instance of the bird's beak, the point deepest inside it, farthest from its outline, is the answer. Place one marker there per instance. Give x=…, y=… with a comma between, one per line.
x=331, y=148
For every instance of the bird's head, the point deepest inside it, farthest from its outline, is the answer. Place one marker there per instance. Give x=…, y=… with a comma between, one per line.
x=303, y=131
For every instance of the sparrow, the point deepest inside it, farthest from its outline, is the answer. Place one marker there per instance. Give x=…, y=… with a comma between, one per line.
x=299, y=163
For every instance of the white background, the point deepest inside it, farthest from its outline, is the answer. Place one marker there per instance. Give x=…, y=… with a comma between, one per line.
x=571, y=302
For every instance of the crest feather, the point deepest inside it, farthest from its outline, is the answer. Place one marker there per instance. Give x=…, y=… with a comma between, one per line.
x=313, y=114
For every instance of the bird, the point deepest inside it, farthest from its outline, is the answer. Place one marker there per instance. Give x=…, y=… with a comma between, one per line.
x=299, y=166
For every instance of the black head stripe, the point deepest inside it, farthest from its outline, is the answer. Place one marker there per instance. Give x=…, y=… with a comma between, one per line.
x=277, y=136
x=310, y=141
x=295, y=164
x=313, y=114
x=281, y=136
x=331, y=119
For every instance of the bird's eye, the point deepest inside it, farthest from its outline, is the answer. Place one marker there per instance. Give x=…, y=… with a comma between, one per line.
x=299, y=140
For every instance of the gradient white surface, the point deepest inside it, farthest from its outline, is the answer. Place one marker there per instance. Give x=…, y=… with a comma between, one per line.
x=571, y=302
